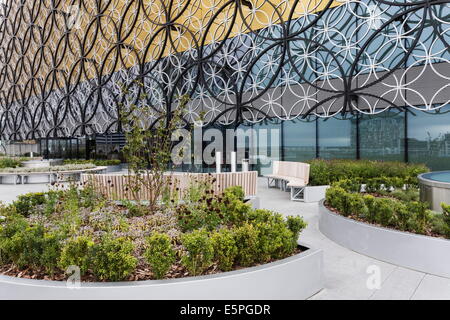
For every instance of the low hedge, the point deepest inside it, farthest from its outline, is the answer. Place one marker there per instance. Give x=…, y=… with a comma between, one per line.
x=98, y=162
x=446, y=219
x=377, y=185
x=326, y=172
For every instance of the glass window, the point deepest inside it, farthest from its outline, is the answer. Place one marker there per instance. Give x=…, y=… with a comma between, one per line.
x=381, y=137
x=337, y=138
x=299, y=140
x=268, y=142
x=429, y=138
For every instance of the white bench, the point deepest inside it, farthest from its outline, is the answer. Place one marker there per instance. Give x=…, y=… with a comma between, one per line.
x=289, y=175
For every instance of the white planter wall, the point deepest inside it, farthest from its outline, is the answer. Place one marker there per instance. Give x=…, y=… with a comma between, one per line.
x=418, y=252
x=315, y=193
x=297, y=277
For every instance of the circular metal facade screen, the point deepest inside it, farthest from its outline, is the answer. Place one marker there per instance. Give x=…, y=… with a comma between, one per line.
x=72, y=67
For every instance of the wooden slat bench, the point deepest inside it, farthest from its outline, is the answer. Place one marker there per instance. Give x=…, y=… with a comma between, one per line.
x=114, y=186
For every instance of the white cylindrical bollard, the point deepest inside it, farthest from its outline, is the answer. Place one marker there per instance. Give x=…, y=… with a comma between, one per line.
x=233, y=161
x=218, y=162
x=245, y=163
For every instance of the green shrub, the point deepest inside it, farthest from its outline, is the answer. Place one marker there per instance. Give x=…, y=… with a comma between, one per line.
x=51, y=202
x=296, y=225
x=384, y=211
x=406, y=195
x=210, y=212
x=26, y=203
x=236, y=191
x=446, y=209
x=194, y=216
x=446, y=218
x=9, y=163
x=225, y=249
x=275, y=240
x=395, y=182
x=246, y=238
x=26, y=246
x=336, y=198
x=370, y=202
x=160, y=254
x=402, y=215
x=72, y=200
x=51, y=251
x=345, y=202
x=88, y=197
x=439, y=225
x=199, y=251
x=262, y=216
x=105, y=163
x=349, y=185
x=13, y=225
x=233, y=209
x=326, y=172
x=420, y=216
x=76, y=252
x=198, y=191
x=374, y=185
x=356, y=205
x=134, y=210
x=29, y=246
x=112, y=258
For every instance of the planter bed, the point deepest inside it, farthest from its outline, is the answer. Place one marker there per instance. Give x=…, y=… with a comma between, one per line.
x=422, y=253
x=201, y=246
x=296, y=277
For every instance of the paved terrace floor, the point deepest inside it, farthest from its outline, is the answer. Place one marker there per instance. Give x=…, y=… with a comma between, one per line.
x=345, y=271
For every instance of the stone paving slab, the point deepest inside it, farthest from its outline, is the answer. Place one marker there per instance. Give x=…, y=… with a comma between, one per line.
x=432, y=288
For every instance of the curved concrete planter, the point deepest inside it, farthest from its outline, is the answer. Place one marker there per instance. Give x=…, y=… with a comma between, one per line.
x=434, y=192
x=315, y=193
x=418, y=252
x=297, y=277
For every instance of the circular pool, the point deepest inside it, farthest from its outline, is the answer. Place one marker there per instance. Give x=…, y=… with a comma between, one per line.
x=435, y=188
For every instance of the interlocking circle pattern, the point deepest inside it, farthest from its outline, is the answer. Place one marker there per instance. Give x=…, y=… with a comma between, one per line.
x=72, y=67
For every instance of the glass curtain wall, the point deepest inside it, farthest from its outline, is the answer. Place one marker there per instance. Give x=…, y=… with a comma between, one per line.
x=382, y=136
x=429, y=138
x=337, y=138
x=267, y=139
x=299, y=140
x=375, y=137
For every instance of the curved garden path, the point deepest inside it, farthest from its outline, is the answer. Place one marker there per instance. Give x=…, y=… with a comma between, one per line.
x=345, y=271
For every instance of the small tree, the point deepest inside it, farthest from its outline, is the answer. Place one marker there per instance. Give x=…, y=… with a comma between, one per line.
x=148, y=150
